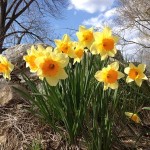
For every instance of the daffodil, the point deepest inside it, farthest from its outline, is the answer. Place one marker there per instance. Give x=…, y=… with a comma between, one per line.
x=104, y=44
x=135, y=73
x=79, y=52
x=65, y=46
x=109, y=76
x=34, y=53
x=6, y=67
x=51, y=67
x=133, y=117
x=85, y=36
x=30, y=59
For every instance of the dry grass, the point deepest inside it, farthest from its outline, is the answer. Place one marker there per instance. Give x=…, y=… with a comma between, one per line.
x=133, y=136
x=20, y=130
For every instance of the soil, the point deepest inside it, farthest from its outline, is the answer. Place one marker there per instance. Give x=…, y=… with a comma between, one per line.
x=21, y=130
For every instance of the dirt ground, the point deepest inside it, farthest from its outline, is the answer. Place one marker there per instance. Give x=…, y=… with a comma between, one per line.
x=21, y=130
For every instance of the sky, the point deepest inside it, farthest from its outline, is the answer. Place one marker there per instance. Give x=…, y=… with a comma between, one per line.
x=92, y=13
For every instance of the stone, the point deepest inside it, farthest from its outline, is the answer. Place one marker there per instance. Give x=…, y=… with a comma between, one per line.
x=2, y=139
x=8, y=93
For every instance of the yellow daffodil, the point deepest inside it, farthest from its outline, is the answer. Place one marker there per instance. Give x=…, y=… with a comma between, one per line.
x=109, y=76
x=34, y=53
x=105, y=44
x=51, y=67
x=85, y=36
x=65, y=46
x=6, y=67
x=79, y=52
x=133, y=117
x=30, y=59
x=135, y=73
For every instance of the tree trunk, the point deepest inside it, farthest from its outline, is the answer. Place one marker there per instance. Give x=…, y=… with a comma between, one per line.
x=1, y=45
x=3, y=6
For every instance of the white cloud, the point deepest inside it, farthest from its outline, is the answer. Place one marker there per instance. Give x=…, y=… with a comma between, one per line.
x=110, y=13
x=108, y=19
x=90, y=6
x=102, y=19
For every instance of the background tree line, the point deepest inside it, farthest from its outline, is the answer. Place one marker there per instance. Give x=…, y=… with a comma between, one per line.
x=134, y=17
x=27, y=20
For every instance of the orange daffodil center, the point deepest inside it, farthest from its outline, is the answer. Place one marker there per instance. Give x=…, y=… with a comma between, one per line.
x=108, y=44
x=104, y=44
x=64, y=47
x=87, y=36
x=78, y=52
x=49, y=67
x=109, y=76
x=3, y=68
x=112, y=76
x=135, y=73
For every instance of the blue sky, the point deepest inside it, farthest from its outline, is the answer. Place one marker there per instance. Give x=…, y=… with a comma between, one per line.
x=85, y=12
x=96, y=13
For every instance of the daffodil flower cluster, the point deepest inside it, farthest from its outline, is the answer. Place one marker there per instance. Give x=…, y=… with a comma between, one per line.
x=49, y=63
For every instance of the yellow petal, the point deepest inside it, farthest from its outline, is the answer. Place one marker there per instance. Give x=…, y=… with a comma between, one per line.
x=99, y=76
x=143, y=76
x=94, y=49
x=126, y=70
x=115, y=65
x=138, y=82
x=142, y=67
x=116, y=39
x=40, y=48
x=66, y=38
x=131, y=65
x=103, y=57
x=128, y=114
x=111, y=53
x=105, y=86
x=98, y=36
x=52, y=81
x=57, y=42
x=114, y=85
x=32, y=48
x=49, y=49
x=128, y=80
x=82, y=28
x=107, y=31
x=120, y=75
x=62, y=74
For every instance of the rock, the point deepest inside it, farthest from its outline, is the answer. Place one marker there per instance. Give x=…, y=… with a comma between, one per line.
x=8, y=93
x=2, y=139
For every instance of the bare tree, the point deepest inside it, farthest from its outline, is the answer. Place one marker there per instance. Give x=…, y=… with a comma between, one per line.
x=134, y=17
x=26, y=19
